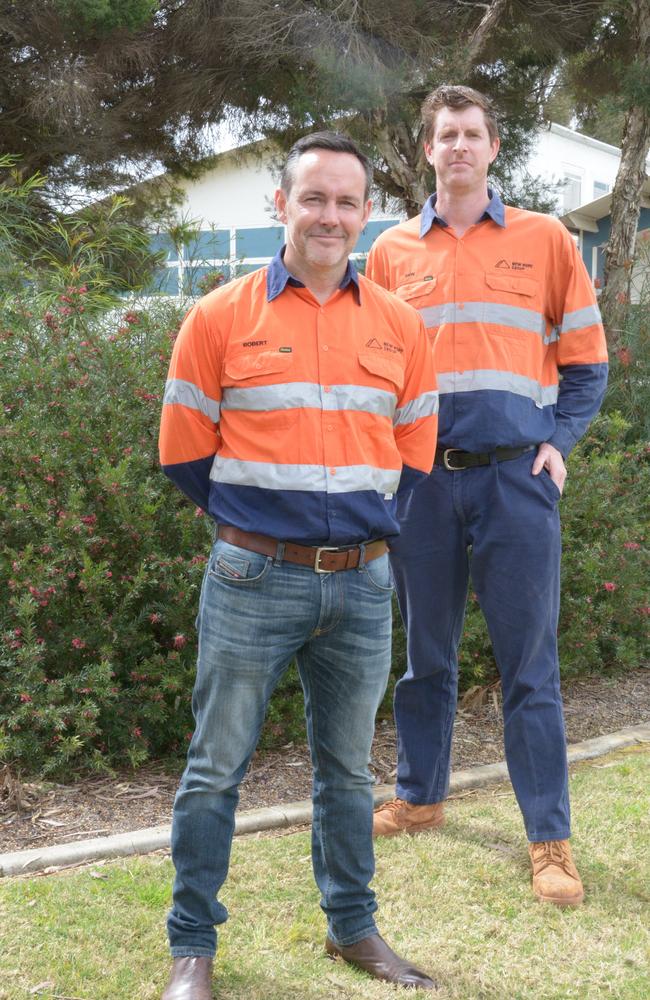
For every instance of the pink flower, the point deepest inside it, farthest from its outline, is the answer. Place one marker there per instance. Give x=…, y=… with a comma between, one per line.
x=78, y=644
x=633, y=546
x=609, y=586
x=25, y=697
x=137, y=732
x=155, y=618
x=179, y=641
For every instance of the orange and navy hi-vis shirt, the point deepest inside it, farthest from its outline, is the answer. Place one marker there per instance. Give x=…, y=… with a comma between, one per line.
x=518, y=344
x=300, y=420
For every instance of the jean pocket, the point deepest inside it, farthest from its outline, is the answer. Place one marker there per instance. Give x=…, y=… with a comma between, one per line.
x=234, y=565
x=549, y=485
x=379, y=575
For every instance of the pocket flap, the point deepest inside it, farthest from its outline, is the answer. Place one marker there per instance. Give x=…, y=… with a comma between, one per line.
x=512, y=283
x=385, y=367
x=416, y=289
x=245, y=366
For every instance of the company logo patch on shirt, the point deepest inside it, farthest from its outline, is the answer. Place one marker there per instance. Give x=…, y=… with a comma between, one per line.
x=386, y=346
x=254, y=343
x=515, y=265
x=285, y=350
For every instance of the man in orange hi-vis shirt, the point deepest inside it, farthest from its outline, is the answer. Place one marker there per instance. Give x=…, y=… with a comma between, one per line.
x=520, y=353
x=301, y=401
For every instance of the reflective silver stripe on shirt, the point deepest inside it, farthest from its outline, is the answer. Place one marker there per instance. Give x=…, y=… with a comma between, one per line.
x=177, y=390
x=307, y=478
x=580, y=317
x=520, y=385
x=495, y=313
x=425, y=405
x=310, y=395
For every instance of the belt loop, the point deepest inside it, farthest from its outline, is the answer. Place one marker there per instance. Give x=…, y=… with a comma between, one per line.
x=279, y=554
x=362, y=556
x=493, y=458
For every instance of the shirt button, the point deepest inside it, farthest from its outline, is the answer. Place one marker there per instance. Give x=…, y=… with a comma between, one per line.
x=326, y=388
x=332, y=472
x=325, y=347
x=461, y=305
x=258, y=365
x=330, y=427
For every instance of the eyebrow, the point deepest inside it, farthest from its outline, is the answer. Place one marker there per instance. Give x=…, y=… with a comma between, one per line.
x=317, y=191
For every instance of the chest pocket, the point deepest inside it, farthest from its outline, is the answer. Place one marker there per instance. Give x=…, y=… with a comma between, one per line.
x=258, y=383
x=242, y=367
x=515, y=286
x=388, y=369
x=417, y=293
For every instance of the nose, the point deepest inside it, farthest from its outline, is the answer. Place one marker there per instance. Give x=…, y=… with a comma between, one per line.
x=329, y=215
x=460, y=141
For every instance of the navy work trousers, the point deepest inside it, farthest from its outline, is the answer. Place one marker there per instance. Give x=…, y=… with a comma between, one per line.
x=501, y=523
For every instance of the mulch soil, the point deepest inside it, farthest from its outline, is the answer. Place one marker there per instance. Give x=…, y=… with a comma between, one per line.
x=37, y=814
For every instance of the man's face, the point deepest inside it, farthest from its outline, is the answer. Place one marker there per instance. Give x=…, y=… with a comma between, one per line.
x=461, y=149
x=325, y=210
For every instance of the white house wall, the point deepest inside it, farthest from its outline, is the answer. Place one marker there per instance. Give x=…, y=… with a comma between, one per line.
x=560, y=153
x=236, y=192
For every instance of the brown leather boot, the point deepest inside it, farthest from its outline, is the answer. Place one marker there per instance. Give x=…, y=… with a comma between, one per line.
x=190, y=979
x=372, y=955
x=399, y=816
x=555, y=877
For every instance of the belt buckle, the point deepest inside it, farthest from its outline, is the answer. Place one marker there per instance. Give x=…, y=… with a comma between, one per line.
x=317, y=555
x=445, y=460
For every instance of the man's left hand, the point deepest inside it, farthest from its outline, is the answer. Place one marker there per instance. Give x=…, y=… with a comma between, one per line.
x=550, y=458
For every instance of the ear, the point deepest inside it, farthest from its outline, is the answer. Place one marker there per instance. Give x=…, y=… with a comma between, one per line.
x=280, y=200
x=494, y=149
x=428, y=152
x=366, y=212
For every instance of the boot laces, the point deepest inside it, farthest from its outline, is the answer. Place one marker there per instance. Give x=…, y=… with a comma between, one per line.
x=552, y=852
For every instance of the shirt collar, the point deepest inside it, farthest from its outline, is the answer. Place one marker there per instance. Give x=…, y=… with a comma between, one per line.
x=277, y=278
x=495, y=211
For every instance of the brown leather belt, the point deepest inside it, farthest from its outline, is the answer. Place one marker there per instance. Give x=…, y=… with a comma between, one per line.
x=321, y=558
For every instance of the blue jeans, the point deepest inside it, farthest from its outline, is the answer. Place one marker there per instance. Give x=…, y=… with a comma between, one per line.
x=255, y=615
x=502, y=523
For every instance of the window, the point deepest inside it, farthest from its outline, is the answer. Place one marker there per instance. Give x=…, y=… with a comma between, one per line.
x=601, y=188
x=572, y=191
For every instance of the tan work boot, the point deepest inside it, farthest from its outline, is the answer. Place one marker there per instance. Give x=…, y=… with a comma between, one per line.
x=399, y=816
x=555, y=877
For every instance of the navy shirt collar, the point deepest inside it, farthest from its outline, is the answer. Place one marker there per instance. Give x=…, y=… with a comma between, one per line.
x=277, y=278
x=495, y=211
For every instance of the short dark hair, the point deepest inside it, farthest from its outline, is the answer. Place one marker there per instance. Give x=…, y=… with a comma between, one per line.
x=336, y=142
x=458, y=98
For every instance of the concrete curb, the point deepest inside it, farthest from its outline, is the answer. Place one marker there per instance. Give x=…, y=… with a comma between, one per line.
x=279, y=817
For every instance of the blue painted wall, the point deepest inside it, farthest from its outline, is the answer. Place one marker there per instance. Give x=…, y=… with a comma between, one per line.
x=591, y=240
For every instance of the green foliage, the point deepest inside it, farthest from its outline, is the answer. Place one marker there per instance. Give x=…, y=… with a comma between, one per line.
x=604, y=621
x=97, y=651
x=105, y=16
x=98, y=250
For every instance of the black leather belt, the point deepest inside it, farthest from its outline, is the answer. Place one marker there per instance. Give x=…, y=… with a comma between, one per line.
x=456, y=459
x=321, y=558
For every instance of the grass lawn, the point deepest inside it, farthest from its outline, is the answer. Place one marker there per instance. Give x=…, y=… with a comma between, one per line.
x=457, y=902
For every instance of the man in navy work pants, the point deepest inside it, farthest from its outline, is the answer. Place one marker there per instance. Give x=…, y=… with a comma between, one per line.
x=520, y=354
x=295, y=436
